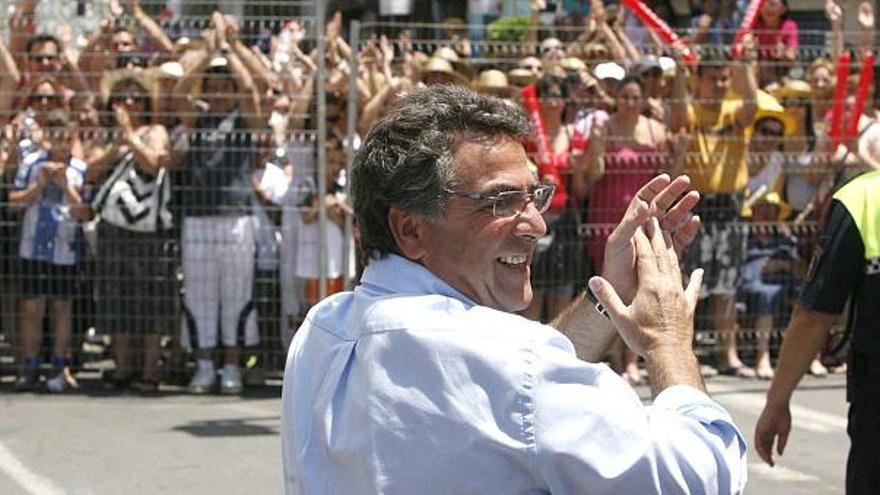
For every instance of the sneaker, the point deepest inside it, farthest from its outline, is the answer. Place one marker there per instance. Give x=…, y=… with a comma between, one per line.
x=28, y=380
x=56, y=383
x=204, y=380
x=230, y=380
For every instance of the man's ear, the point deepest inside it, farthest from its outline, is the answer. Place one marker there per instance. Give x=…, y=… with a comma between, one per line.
x=407, y=229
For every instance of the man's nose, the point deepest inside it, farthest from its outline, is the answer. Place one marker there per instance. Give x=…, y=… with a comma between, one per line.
x=531, y=222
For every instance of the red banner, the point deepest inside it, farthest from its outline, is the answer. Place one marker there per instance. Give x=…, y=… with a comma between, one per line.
x=748, y=23
x=659, y=26
x=866, y=80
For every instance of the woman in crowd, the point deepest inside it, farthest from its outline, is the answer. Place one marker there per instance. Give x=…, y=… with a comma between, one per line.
x=135, y=269
x=559, y=264
x=623, y=154
x=308, y=257
x=777, y=42
x=215, y=198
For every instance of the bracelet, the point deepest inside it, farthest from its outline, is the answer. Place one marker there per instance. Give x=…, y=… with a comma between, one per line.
x=599, y=307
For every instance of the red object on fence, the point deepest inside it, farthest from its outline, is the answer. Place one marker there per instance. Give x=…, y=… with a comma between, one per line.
x=659, y=26
x=547, y=171
x=836, y=132
x=533, y=110
x=866, y=80
x=748, y=23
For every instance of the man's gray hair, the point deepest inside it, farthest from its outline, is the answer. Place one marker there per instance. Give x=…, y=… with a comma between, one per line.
x=406, y=159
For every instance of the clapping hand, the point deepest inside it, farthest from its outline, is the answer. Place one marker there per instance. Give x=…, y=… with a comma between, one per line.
x=660, y=317
x=668, y=201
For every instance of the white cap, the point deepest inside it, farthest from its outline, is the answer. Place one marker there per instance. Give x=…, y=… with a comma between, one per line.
x=666, y=63
x=610, y=70
x=173, y=69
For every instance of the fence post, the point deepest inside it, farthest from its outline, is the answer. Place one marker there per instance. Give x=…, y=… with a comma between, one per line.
x=352, y=108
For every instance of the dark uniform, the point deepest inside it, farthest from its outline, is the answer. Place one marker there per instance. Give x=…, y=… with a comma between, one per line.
x=847, y=265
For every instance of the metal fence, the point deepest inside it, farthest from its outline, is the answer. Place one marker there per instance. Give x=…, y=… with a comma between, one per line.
x=202, y=207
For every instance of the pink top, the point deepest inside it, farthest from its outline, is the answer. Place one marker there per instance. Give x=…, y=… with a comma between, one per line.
x=627, y=169
x=767, y=38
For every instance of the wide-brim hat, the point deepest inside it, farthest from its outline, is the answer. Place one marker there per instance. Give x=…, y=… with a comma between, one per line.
x=493, y=82
x=148, y=78
x=770, y=108
x=521, y=77
x=442, y=66
x=572, y=64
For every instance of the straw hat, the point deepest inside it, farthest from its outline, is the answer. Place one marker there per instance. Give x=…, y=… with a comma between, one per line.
x=442, y=66
x=493, y=82
x=148, y=78
x=521, y=77
x=769, y=108
x=459, y=64
x=446, y=53
x=572, y=64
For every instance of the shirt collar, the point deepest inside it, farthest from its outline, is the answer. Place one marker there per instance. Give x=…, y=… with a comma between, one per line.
x=395, y=274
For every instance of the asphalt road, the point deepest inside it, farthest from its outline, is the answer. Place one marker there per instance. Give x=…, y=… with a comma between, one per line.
x=93, y=442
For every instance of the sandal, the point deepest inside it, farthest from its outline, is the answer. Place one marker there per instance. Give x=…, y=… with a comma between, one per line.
x=738, y=371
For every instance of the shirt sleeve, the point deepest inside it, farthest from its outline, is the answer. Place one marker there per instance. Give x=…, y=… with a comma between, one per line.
x=593, y=435
x=23, y=174
x=835, y=265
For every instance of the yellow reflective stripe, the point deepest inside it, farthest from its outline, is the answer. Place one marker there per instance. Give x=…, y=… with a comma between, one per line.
x=861, y=197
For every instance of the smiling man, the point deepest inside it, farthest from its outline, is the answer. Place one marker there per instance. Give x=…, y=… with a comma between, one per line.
x=424, y=380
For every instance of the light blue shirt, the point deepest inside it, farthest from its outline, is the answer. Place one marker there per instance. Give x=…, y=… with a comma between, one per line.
x=405, y=386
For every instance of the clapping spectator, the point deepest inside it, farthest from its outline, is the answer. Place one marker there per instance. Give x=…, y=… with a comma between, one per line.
x=49, y=186
x=624, y=153
x=135, y=284
x=215, y=199
x=718, y=167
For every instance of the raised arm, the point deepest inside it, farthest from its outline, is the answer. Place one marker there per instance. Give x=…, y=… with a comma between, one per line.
x=834, y=14
x=678, y=111
x=182, y=104
x=746, y=84
x=21, y=24
x=10, y=79
x=151, y=27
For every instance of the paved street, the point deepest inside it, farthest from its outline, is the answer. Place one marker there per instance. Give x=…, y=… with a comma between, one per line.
x=92, y=442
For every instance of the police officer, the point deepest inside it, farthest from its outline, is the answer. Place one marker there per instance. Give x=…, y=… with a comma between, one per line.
x=846, y=265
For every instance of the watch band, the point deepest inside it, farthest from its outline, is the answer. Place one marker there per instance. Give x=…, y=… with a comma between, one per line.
x=600, y=308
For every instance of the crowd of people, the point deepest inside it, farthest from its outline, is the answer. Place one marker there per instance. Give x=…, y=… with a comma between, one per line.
x=157, y=186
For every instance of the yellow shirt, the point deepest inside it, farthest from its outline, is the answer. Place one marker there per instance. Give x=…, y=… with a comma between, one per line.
x=718, y=162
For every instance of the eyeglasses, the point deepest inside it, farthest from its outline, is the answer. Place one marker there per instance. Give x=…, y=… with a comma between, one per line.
x=510, y=203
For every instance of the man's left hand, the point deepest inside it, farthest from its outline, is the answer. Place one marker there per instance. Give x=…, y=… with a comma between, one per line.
x=660, y=197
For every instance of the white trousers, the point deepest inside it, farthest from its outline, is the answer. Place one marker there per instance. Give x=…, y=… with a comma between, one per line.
x=218, y=275
x=292, y=298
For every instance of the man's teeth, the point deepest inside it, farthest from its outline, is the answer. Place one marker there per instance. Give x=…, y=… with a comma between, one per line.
x=513, y=260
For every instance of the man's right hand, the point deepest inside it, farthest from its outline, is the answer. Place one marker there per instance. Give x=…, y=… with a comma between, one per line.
x=773, y=425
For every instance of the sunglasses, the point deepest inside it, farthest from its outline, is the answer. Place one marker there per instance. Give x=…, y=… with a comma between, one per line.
x=42, y=57
x=510, y=203
x=44, y=99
